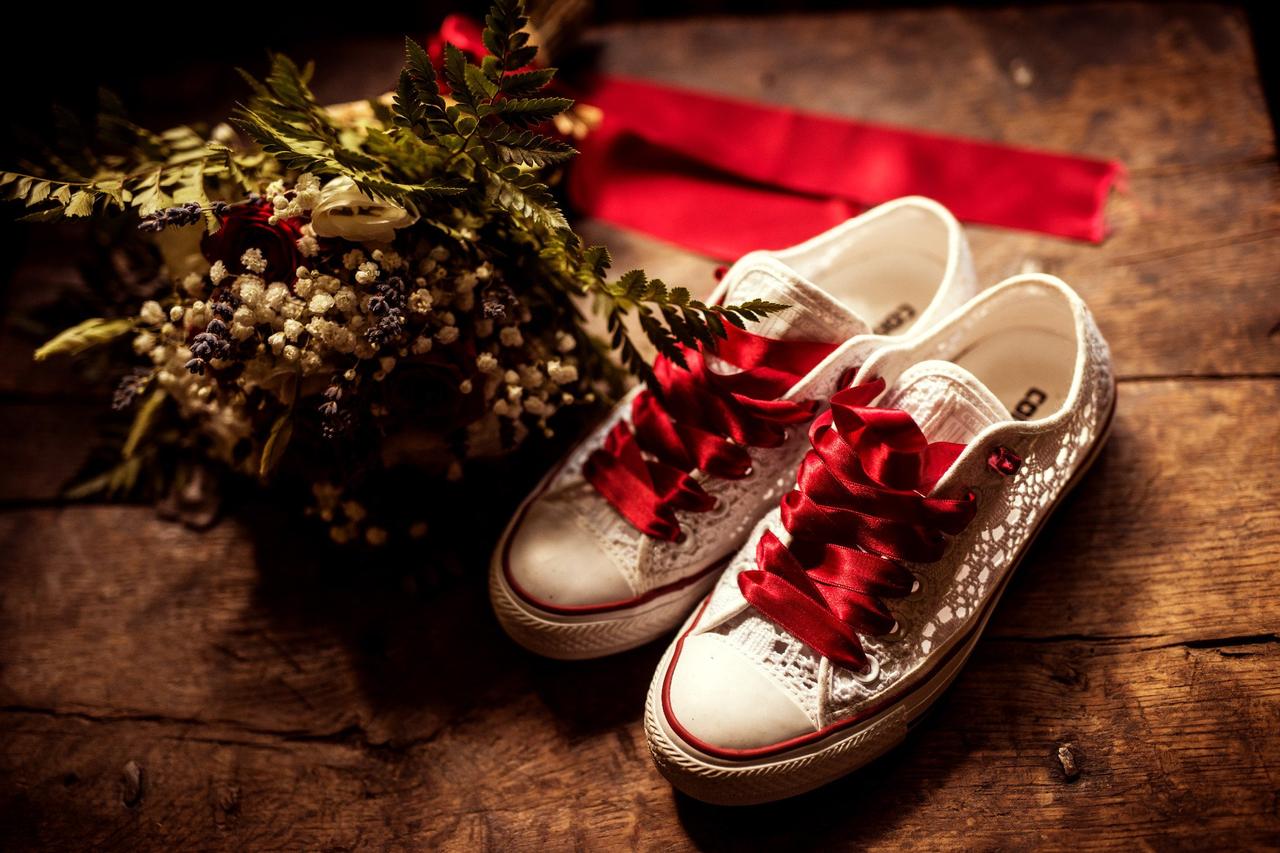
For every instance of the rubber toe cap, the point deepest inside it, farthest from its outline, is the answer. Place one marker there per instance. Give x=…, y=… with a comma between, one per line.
x=725, y=700
x=553, y=560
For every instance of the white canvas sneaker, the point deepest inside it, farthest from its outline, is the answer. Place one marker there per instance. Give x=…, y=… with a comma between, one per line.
x=627, y=533
x=855, y=603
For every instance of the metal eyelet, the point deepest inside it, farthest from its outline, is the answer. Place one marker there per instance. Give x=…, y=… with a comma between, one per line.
x=749, y=473
x=916, y=586
x=872, y=672
x=1004, y=461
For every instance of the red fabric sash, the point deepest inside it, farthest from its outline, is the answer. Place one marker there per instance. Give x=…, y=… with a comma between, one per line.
x=724, y=176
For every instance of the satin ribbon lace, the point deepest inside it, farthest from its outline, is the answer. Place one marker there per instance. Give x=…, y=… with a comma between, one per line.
x=860, y=509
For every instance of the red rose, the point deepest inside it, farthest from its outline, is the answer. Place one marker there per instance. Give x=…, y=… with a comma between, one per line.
x=248, y=226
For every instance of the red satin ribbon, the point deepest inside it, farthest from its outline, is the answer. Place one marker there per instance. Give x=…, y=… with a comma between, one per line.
x=859, y=509
x=705, y=420
x=724, y=176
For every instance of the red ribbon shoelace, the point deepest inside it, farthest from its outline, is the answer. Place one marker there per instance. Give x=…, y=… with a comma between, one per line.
x=860, y=508
x=704, y=420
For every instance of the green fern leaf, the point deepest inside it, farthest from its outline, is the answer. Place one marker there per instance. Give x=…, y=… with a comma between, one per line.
x=523, y=84
x=81, y=204
x=524, y=147
x=455, y=74
x=526, y=112
x=148, y=195
x=522, y=194
x=479, y=86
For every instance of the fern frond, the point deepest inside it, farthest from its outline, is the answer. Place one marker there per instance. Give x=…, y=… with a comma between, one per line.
x=525, y=196
x=527, y=112
x=524, y=147
x=523, y=84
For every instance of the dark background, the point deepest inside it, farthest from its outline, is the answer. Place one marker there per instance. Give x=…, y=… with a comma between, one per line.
x=174, y=63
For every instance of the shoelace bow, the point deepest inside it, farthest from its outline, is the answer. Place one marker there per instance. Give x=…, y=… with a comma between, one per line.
x=704, y=420
x=859, y=510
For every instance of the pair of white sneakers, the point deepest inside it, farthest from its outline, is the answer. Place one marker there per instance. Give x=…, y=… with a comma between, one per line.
x=835, y=500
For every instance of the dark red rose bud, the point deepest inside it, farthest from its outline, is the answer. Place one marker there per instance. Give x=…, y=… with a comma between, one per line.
x=248, y=226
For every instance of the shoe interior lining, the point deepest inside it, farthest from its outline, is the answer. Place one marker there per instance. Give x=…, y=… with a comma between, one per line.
x=1028, y=370
x=1026, y=355
x=887, y=270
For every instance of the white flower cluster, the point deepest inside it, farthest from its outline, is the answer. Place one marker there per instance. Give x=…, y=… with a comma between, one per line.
x=287, y=204
x=293, y=339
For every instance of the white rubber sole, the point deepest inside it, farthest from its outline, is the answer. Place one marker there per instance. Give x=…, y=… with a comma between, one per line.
x=793, y=772
x=573, y=637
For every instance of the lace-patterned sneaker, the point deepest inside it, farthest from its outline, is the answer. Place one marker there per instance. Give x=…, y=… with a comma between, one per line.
x=855, y=603
x=627, y=533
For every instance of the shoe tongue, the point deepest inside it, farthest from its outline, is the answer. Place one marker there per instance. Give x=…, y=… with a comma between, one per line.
x=813, y=315
x=947, y=401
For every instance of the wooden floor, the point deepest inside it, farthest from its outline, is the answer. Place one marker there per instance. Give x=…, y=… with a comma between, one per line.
x=163, y=689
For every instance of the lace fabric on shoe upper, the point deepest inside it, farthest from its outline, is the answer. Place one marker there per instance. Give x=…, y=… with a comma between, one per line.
x=954, y=590
x=860, y=508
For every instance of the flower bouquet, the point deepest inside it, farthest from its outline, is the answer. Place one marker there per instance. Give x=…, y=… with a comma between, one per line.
x=349, y=290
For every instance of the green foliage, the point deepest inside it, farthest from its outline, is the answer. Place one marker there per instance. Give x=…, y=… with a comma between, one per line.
x=51, y=197
x=524, y=147
x=84, y=336
x=277, y=441
x=685, y=321
x=117, y=481
x=482, y=154
x=113, y=166
x=143, y=421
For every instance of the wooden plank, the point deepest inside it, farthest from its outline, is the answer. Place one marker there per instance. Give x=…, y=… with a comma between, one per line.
x=1141, y=630
x=1176, y=747
x=1149, y=547
x=1174, y=529
x=1158, y=85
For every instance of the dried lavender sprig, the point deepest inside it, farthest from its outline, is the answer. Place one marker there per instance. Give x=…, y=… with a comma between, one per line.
x=179, y=216
x=214, y=341
x=131, y=385
x=387, y=304
x=336, y=420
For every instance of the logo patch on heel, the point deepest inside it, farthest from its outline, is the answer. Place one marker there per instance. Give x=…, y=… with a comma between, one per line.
x=896, y=319
x=1032, y=400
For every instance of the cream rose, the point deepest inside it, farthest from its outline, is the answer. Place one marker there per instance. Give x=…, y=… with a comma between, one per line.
x=346, y=212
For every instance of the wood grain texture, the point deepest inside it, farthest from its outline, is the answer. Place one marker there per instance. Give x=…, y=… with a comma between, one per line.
x=1140, y=631
x=242, y=689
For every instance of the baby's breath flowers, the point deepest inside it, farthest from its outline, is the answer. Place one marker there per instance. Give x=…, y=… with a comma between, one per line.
x=373, y=288
x=336, y=329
